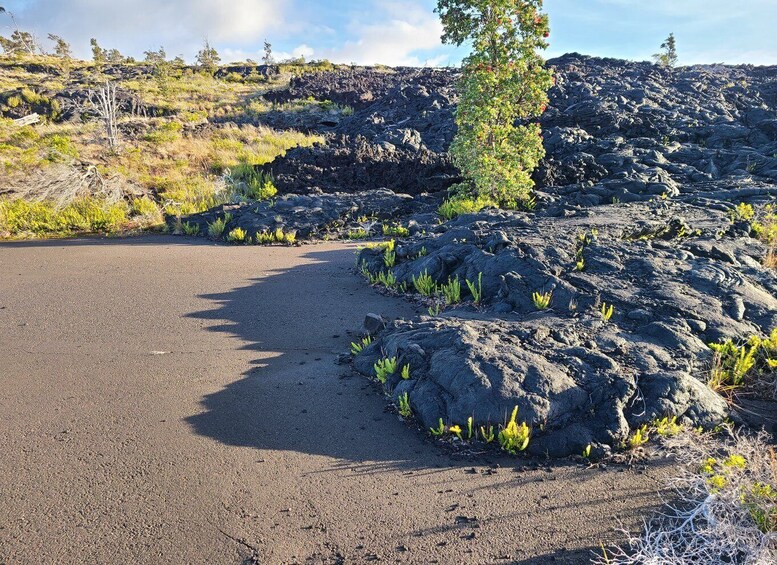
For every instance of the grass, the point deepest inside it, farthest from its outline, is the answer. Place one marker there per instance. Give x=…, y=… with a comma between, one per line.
x=82, y=215
x=458, y=205
x=188, y=169
x=476, y=290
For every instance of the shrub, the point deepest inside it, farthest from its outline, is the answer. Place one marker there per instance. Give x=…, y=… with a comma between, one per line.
x=144, y=206
x=217, y=227
x=384, y=368
x=504, y=82
x=396, y=230
x=752, y=364
x=723, y=506
x=276, y=236
x=476, y=290
x=237, y=235
x=514, y=437
x=358, y=346
x=451, y=291
x=191, y=228
x=404, y=406
x=147, y=211
x=542, y=300
x=425, y=284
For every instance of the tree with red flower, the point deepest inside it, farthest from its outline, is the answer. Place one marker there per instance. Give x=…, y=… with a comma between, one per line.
x=503, y=90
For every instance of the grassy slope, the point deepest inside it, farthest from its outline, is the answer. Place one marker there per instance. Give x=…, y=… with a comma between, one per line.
x=179, y=161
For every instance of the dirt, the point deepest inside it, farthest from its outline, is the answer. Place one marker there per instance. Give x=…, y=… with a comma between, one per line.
x=168, y=400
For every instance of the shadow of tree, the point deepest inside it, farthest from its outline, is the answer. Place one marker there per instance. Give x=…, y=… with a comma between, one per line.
x=294, y=396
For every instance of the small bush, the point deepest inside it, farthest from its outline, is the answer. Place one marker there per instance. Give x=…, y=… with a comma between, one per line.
x=191, y=228
x=217, y=227
x=514, y=437
x=752, y=364
x=395, y=230
x=425, y=284
x=237, y=235
x=542, y=300
x=451, y=291
x=404, y=406
x=723, y=508
x=476, y=290
x=276, y=236
x=384, y=368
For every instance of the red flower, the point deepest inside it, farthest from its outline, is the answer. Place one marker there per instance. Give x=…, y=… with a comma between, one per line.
x=546, y=34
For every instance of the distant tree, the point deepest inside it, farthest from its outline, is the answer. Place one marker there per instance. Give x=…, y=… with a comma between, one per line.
x=156, y=57
x=20, y=41
x=268, y=58
x=61, y=47
x=114, y=56
x=208, y=58
x=179, y=61
x=99, y=55
x=668, y=55
x=162, y=67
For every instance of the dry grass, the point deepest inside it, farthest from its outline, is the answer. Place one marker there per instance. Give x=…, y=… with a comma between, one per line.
x=765, y=228
x=724, y=507
x=771, y=258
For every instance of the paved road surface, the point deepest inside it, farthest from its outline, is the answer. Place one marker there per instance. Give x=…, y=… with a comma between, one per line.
x=164, y=400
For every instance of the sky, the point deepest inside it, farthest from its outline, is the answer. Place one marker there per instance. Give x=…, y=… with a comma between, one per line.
x=397, y=32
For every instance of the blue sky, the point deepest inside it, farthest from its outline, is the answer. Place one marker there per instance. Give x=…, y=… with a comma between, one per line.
x=398, y=32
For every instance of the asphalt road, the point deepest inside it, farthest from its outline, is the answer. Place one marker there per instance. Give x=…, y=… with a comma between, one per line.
x=165, y=400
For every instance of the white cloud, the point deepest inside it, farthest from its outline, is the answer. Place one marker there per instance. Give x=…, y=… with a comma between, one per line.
x=133, y=26
x=393, y=34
